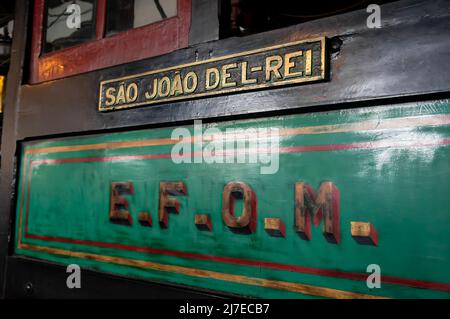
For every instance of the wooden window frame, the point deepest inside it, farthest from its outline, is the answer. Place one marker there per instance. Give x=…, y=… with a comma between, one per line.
x=104, y=51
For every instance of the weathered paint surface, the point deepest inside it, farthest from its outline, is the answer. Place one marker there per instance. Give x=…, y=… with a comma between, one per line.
x=389, y=163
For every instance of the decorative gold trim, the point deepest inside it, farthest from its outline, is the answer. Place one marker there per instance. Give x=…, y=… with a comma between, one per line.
x=323, y=66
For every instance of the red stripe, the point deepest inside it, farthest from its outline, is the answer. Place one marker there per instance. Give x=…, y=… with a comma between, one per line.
x=248, y=262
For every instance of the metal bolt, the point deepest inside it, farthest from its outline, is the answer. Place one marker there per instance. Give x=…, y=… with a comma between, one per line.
x=28, y=288
x=336, y=44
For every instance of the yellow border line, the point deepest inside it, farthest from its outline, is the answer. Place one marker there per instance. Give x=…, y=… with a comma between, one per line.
x=322, y=41
x=200, y=273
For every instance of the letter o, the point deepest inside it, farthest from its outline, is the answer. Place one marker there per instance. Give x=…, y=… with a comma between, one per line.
x=164, y=83
x=186, y=87
x=132, y=88
x=246, y=223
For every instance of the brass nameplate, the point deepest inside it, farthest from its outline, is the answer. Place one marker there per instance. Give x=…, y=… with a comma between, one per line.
x=291, y=63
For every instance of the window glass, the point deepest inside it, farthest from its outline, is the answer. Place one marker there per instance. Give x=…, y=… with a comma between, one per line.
x=123, y=15
x=245, y=17
x=67, y=23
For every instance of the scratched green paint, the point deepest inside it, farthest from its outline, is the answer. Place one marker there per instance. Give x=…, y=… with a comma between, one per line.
x=403, y=192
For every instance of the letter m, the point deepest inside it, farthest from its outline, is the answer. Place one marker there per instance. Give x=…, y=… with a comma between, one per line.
x=316, y=206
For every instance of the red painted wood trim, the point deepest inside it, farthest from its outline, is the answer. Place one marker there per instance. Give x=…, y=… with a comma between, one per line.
x=136, y=44
x=100, y=19
x=36, y=37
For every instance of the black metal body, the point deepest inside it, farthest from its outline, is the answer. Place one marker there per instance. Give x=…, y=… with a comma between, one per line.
x=406, y=60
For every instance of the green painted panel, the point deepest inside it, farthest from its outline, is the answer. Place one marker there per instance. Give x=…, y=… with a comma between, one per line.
x=390, y=165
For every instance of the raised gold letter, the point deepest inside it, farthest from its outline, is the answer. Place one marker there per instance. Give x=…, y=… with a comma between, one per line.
x=226, y=75
x=209, y=72
x=164, y=87
x=176, y=86
x=289, y=64
x=244, y=79
x=308, y=62
x=273, y=67
x=132, y=88
x=121, y=94
x=149, y=96
x=111, y=99
x=186, y=87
